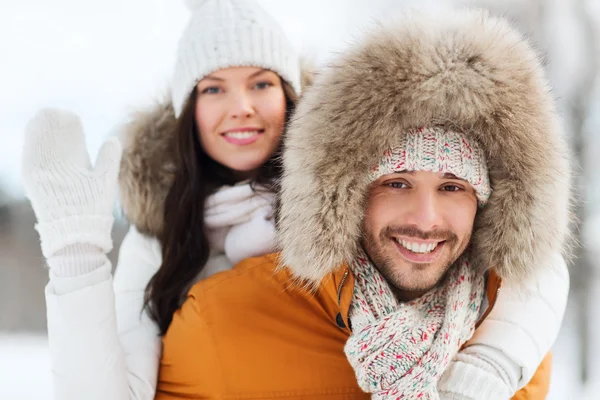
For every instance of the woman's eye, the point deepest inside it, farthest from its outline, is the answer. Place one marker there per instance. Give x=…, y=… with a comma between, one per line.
x=263, y=85
x=397, y=185
x=211, y=90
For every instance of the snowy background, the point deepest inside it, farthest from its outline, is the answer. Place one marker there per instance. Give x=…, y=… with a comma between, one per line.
x=102, y=59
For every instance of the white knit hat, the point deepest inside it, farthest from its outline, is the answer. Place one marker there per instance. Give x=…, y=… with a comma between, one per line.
x=230, y=33
x=438, y=150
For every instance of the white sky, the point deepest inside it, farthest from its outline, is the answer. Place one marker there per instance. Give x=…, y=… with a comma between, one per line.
x=100, y=59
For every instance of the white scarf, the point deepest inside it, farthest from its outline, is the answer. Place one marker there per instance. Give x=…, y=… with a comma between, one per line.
x=239, y=225
x=400, y=350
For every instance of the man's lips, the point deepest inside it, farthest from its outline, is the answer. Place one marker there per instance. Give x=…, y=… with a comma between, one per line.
x=419, y=251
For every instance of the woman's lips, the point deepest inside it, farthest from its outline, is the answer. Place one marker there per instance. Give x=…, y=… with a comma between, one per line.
x=242, y=137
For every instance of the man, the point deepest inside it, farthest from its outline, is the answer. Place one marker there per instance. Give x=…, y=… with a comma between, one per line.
x=422, y=166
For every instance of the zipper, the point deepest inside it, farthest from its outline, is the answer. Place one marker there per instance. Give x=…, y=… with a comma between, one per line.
x=339, y=294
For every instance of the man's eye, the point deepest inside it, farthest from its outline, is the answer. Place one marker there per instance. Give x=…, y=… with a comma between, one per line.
x=397, y=185
x=451, y=188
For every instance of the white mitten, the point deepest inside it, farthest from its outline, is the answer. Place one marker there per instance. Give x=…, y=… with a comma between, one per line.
x=478, y=373
x=72, y=200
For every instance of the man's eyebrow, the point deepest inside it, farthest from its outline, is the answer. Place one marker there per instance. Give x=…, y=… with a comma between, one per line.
x=448, y=175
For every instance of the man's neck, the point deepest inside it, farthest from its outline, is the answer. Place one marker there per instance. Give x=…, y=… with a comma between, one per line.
x=404, y=296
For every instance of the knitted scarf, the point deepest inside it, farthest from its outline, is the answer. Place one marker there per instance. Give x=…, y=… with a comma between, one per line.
x=400, y=350
x=239, y=225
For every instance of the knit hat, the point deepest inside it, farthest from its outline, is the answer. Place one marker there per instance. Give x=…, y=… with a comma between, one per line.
x=438, y=150
x=230, y=33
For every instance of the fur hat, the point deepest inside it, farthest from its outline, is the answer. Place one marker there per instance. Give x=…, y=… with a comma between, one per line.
x=463, y=71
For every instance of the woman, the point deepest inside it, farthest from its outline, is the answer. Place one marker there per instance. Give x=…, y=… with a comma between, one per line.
x=195, y=182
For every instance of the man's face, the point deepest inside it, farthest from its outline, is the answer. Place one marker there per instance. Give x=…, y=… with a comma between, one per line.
x=416, y=225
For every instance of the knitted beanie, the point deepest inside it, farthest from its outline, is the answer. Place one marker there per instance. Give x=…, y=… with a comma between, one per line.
x=230, y=33
x=438, y=150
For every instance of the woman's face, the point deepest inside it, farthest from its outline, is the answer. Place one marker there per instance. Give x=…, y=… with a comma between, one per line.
x=240, y=113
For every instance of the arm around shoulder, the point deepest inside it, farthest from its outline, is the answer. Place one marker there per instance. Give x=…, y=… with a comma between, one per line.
x=526, y=319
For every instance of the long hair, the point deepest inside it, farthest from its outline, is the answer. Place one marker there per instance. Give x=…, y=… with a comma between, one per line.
x=185, y=246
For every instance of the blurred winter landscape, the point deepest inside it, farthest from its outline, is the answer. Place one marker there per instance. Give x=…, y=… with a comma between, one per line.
x=104, y=59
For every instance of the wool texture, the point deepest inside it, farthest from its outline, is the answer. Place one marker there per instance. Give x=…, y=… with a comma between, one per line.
x=400, y=350
x=437, y=150
x=230, y=33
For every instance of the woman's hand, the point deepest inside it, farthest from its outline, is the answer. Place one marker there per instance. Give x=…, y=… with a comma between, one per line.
x=72, y=200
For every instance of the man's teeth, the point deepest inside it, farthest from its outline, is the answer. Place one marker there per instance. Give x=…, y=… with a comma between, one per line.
x=241, y=135
x=418, y=248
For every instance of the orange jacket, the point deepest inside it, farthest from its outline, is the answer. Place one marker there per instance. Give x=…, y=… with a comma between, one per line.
x=253, y=333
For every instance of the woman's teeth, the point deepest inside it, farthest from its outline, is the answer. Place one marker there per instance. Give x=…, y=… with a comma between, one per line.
x=242, y=135
x=416, y=247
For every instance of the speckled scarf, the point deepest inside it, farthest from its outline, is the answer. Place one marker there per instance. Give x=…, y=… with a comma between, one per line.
x=400, y=350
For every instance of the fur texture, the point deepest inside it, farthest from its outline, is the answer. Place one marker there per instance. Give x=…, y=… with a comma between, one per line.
x=148, y=163
x=148, y=166
x=463, y=70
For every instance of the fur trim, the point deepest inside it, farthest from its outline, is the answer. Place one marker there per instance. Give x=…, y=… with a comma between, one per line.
x=308, y=70
x=463, y=70
x=148, y=162
x=148, y=166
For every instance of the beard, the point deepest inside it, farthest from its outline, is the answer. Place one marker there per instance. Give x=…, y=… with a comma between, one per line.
x=408, y=279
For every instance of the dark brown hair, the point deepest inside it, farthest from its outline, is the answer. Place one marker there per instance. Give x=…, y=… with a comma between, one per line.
x=185, y=247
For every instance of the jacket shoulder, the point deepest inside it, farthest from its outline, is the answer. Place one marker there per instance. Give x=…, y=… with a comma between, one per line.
x=246, y=276
x=193, y=349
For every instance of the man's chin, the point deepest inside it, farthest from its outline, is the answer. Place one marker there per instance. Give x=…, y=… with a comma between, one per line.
x=410, y=293
x=415, y=277
x=423, y=286
x=415, y=285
